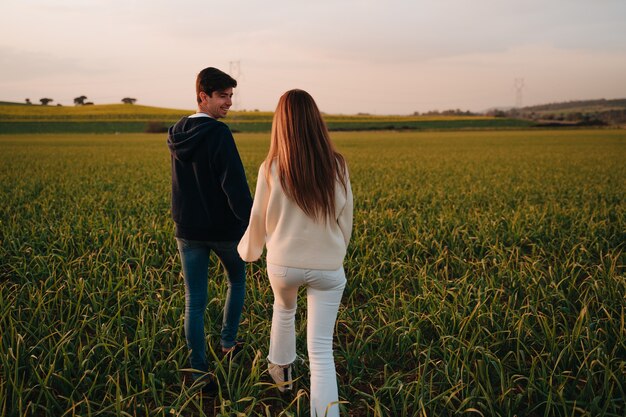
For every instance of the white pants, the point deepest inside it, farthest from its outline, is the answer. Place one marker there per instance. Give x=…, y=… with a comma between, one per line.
x=324, y=290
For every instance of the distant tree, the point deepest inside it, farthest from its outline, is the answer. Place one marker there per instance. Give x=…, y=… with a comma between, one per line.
x=574, y=116
x=45, y=101
x=79, y=101
x=456, y=112
x=128, y=100
x=28, y=101
x=497, y=113
x=500, y=113
x=88, y=103
x=59, y=105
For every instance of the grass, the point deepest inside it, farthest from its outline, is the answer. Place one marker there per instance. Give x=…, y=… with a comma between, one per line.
x=486, y=276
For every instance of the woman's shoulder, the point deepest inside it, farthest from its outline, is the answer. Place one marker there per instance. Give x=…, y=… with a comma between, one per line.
x=268, y=171
x=342, y=165
x=269, y=166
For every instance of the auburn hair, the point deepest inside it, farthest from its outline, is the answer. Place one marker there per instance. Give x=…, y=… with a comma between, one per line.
x=308, y=164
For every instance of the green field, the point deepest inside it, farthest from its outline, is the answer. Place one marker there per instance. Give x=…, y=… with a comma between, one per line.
x=486, y=277
x=121, y=118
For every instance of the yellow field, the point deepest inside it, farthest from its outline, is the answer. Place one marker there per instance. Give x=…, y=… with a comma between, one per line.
x=122, y=112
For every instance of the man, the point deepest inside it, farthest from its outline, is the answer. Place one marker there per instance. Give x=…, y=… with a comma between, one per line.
x=211, y=205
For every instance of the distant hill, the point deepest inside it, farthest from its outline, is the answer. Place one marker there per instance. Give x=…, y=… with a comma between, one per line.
x=580, y=106
x=99, y=112
x=579, y=113
x=12, y=103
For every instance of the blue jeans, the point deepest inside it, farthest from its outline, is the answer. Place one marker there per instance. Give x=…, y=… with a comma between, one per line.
x=194, y=256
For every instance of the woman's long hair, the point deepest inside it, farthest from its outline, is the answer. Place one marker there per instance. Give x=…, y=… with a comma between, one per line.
x=307, y=162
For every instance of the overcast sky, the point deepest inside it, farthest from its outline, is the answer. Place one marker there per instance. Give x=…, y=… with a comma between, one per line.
x=380, y=57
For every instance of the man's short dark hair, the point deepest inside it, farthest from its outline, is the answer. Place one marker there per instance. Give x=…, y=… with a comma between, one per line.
x=211, y=79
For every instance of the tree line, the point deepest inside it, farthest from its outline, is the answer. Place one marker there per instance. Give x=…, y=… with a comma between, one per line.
x=79, y=101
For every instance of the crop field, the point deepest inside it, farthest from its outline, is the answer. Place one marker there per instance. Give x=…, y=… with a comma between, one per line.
x=123, y=118
x=486, y=277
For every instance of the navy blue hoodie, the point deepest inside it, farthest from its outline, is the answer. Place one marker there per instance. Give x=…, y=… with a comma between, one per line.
x=211, y=200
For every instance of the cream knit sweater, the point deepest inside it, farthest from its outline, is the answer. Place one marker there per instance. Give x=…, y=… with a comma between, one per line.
x=292, y=238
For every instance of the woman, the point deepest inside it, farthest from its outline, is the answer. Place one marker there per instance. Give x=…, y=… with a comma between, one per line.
x=302, y=212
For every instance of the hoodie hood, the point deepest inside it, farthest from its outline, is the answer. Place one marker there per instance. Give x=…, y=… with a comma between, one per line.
x=188, y=134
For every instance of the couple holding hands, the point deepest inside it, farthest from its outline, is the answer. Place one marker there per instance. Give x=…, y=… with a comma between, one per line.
x=302, y=214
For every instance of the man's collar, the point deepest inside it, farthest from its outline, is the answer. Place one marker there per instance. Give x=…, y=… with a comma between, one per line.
x=199, y=114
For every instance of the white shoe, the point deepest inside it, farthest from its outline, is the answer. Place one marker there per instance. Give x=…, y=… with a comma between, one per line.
x=281, y=374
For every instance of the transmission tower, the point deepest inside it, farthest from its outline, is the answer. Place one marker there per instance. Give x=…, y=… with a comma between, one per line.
x=519, y=86
x=235, y=72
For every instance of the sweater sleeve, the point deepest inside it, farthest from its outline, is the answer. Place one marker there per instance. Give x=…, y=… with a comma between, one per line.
x=232, y=177
x=346, y=215
x=251, y=245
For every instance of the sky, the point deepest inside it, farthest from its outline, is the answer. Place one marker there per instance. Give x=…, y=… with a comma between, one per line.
x=353, y=56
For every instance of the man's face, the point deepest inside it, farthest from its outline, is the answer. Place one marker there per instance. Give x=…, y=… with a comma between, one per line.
x=217, y=104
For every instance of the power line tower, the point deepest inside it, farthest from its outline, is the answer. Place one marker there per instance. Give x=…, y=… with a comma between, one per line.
x=235, y=72
x=519, y=86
